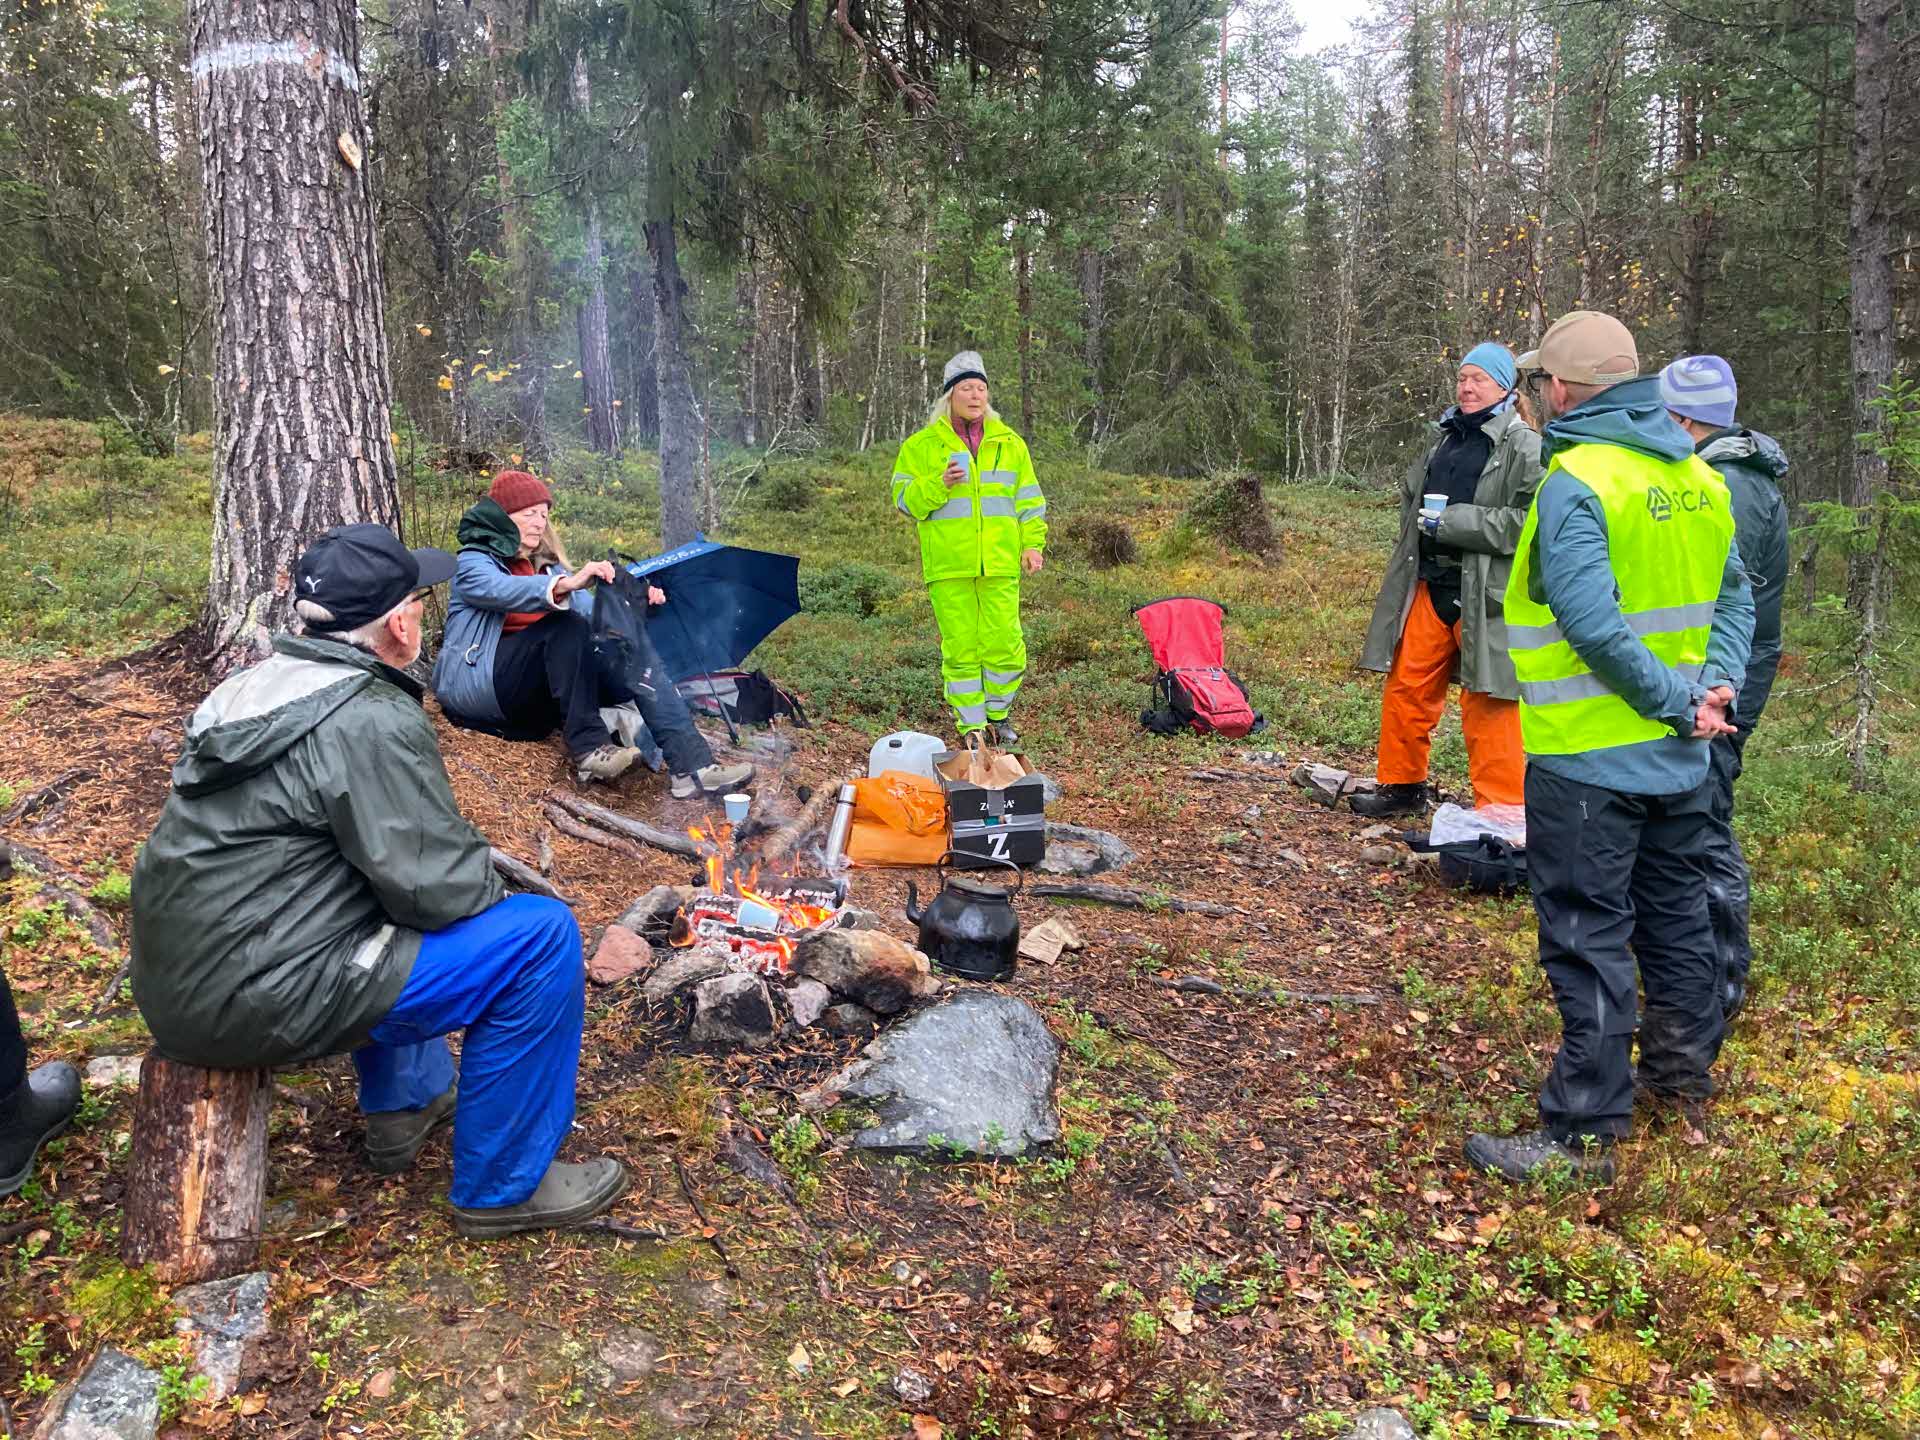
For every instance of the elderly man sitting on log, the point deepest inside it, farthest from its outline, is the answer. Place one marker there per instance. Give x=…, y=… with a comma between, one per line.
x=311, y=888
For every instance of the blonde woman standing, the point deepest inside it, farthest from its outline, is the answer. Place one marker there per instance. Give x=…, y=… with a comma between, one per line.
x=967, y=482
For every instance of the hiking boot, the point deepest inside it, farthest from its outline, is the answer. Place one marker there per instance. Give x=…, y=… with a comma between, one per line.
x=1389, y=800
x=714, y=780
x=395, y=1137
x=32, y=1115
x=1003, y=733
x=567, y=1194
x=1520, y=1157
x=609, y=762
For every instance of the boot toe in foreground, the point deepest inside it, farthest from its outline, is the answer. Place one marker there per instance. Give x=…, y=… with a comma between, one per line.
x=609, y=762
x=45, y=1105
x=567, y=1194
x=718, y=779
x=1521, y=1157
x=396, y=1137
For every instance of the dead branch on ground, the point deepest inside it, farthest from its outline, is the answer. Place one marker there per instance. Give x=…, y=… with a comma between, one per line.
x=625, y=825
x=1200, y=985
x=1130, y=899
x=523, y=876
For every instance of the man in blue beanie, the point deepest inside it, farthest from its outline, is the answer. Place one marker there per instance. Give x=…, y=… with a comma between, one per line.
x=1700, y=393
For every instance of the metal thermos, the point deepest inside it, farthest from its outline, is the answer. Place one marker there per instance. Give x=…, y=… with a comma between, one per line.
x=842, y=823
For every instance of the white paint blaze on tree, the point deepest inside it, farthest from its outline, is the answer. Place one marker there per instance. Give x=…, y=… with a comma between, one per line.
x=302, y=404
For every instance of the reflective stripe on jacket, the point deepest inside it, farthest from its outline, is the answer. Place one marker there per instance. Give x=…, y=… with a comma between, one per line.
x=1669, y=531
x=979, y=527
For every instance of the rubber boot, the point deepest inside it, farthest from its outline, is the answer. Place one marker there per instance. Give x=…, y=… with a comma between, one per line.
x=1391, y=800
x=33, y=1114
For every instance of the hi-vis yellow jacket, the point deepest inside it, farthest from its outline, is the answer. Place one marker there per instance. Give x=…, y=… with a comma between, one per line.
x=980, y=527
x=1669, y=531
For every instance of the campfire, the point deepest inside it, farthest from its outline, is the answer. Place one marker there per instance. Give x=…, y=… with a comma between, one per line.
x=749, y=923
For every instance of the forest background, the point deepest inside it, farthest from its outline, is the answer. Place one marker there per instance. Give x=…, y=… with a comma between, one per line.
x=729, y=226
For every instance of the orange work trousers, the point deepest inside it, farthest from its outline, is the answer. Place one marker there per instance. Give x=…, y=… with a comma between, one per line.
x=1416, y=694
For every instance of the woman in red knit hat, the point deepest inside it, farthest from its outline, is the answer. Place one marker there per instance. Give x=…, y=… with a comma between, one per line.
x=518, y=657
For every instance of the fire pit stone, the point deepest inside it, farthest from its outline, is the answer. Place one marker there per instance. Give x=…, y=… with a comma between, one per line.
x=619, y=954
x=681, y=969
x=733, y=1012
x=868, y=966
x=808, y=1000
x=653, y=912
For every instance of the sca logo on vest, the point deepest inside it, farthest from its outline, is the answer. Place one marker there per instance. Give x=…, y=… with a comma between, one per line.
x=1660, y=504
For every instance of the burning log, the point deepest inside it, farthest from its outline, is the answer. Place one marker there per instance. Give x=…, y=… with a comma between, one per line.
x=788, y=837
x=625, y=825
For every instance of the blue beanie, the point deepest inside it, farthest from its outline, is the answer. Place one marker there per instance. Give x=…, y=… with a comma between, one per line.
x=1494, y=358
x=1700, y=387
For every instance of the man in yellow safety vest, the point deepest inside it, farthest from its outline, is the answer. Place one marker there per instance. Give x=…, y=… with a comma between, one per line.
x=1629, y=619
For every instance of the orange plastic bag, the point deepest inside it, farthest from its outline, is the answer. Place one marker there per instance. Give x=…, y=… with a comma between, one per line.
x=898, y=819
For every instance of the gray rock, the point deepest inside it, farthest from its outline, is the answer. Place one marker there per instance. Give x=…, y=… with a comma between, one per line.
x=115, y=1398
x=869, y=967
x=1082, y=850
x=1115, y=853
x=110, y=1072
x=848, y=1018
x=1381, y=1424
x=976, y=1070
x=677, y=972
x=653, y=912
x=630, y=1354
x=808, y=1000
x=864, y=920
x=911, y=1387
x=1251, y=815
x=1272, y=758
x=733, y=1012
x=223, y=1318
x=1064, y=859
x=1376, y=832
x=1382, y=854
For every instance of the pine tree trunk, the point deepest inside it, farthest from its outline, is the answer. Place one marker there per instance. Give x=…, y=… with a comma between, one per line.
x=879, y=360
x=1093, y=304
x=302, y=405
x=1023, y=281
x=746, y=299
x=645, y=419
x=1870, y=262
x=590, y=316
x=679, y=422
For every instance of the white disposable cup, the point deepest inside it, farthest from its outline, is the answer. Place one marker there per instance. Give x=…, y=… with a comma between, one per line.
x=1433, y=502
x=736, y=807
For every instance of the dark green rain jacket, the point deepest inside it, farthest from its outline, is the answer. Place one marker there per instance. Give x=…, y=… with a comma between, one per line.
x=310, y=837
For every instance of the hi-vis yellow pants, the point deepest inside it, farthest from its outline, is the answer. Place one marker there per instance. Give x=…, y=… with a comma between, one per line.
x=983, y=655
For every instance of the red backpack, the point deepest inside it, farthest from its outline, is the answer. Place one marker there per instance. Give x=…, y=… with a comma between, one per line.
x=1194, y=689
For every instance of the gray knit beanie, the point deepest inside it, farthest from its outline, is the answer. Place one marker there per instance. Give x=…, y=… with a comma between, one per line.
x=967, y=365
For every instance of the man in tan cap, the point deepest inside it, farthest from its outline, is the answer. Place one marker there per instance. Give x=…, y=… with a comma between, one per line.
x=1629, y=620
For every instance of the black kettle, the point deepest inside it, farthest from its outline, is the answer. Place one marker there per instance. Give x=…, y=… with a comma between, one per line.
x=970, y=928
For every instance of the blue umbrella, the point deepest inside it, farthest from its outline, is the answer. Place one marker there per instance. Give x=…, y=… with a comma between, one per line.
x=721, y=602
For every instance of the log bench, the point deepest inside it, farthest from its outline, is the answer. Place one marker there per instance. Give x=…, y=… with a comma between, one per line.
x=198, y=1183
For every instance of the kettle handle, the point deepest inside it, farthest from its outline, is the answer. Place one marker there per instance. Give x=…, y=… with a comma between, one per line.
x=1019, y=876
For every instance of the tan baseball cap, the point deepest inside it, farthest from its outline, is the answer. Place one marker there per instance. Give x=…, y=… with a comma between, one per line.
x=1585, y=347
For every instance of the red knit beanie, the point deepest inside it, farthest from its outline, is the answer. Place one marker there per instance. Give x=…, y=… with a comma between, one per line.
x=516, y=490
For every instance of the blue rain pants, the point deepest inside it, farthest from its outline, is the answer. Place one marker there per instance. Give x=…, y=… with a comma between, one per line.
x=514, y=980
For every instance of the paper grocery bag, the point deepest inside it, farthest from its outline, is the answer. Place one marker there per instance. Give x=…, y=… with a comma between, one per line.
x=984, y=766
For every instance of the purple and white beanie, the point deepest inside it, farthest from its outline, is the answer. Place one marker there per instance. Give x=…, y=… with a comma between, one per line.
x=1700, y=387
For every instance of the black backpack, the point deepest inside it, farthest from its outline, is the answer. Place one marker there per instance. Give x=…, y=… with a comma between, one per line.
x=742, y=697
x=618, y=625
x=1490, y=864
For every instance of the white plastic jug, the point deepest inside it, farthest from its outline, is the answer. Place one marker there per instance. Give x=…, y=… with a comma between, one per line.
x=907, y=750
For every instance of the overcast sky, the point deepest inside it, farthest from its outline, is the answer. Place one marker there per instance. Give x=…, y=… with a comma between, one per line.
x=1326, y=22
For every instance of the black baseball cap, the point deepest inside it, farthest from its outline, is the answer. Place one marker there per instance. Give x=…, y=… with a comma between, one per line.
x=360, y=572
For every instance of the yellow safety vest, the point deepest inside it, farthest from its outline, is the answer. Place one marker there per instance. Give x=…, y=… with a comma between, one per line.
x=978, y=528
x=1669, y=528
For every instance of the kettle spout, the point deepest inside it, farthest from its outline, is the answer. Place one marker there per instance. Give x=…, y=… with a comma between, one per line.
x=914, y=912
